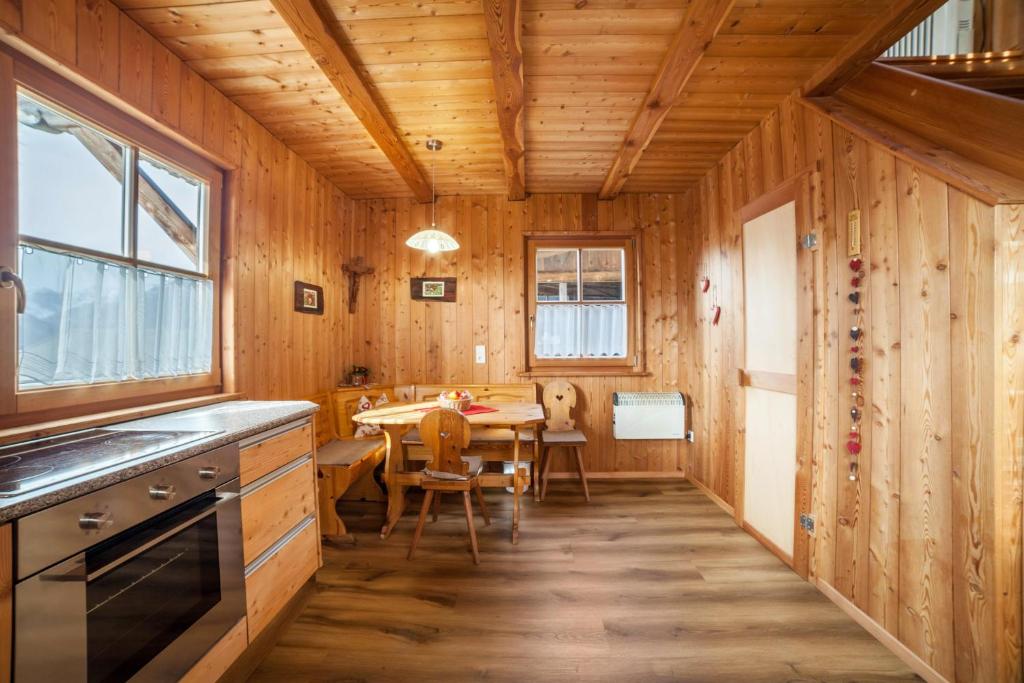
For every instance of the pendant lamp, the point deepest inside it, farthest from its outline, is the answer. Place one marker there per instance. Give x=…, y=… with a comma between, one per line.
x=433, y=240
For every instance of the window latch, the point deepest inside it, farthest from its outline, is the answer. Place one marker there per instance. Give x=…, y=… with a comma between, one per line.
x=9, y=279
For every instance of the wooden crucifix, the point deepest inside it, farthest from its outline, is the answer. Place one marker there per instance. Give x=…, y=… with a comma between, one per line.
x=355, y=269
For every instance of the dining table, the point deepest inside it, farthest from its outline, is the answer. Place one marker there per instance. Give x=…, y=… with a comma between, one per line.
x=398, y=418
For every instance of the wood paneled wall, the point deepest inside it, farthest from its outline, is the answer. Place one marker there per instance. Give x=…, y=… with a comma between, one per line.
x=926, y=541
x=287, y=221
x=406, y=341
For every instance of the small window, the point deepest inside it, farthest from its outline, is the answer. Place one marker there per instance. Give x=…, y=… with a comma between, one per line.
x=581, y=299
x=112, y=241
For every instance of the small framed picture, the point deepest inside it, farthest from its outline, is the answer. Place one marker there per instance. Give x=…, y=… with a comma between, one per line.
x=309, y=298
x=433, y=289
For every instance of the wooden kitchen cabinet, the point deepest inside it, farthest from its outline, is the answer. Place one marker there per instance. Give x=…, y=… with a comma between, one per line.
x=280, y=530
x=278, y=576
x=220, y=657
x=263, y=456
x=270, y=511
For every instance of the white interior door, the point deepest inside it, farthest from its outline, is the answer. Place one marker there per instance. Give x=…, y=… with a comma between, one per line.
x=769, y=378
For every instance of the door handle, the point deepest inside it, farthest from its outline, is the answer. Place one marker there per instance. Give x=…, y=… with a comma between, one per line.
x=9, y=279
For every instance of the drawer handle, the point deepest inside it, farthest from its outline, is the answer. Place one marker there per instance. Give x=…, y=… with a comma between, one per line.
x=271, y=477
x=281, y=542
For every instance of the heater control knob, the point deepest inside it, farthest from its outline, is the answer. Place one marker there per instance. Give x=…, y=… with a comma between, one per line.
x=93, y=521
x=209, y=472
x=162, y=492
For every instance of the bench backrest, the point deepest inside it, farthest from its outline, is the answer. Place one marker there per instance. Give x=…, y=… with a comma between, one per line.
x=405, y=393
x=346, y=404
x=324, y=419
x=525, y=392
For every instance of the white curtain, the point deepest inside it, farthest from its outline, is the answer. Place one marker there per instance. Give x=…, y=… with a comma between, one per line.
x=91, y=321
x=604, y=331
x=175, y=330
x=557, y=331
x=580, y=331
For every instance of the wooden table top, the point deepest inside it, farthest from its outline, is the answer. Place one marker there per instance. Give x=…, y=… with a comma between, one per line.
x=506, y=415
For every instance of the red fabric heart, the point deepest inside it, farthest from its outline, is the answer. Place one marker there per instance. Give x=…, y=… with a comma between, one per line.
x=853, y=447
x=855, y=282
x=855, y=264
x=855, y=380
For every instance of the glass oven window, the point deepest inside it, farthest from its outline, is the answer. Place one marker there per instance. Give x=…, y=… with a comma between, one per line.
x=140, y=606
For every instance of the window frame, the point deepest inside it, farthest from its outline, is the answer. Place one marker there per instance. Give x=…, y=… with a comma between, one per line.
x=18, y=72
x=633, y=362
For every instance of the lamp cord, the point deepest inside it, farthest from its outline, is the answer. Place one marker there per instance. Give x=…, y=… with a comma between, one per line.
x=433, y=180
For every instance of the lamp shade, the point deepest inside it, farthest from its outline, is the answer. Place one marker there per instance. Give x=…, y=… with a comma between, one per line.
x=433, y=241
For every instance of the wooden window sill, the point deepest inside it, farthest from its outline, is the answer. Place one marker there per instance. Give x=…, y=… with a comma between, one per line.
x=585, y=372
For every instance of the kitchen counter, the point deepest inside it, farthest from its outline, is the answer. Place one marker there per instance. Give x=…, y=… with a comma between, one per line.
x=234, y=420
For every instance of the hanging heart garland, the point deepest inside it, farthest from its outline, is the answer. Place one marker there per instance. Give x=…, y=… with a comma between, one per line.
x=854, y=445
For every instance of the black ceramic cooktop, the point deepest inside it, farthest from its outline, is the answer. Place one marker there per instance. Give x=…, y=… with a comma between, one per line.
x=34, y=464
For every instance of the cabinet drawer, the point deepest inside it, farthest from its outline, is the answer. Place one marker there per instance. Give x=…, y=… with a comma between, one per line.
x=275, y=579
x=272, y=509
x=266, y=456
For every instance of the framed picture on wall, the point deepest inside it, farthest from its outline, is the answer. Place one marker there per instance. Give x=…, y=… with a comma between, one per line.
x=433, y=288
x=309, y=298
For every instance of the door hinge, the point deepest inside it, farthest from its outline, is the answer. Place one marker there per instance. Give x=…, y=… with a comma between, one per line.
x=807, y=522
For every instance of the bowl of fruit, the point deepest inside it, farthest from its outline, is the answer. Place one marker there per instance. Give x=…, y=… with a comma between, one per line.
x=455, y=400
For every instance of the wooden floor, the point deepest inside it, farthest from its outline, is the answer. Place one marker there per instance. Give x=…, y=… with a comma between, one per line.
x=649, y=582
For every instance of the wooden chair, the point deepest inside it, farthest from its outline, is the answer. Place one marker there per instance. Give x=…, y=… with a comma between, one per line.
x=446, y=433
x=559, y=400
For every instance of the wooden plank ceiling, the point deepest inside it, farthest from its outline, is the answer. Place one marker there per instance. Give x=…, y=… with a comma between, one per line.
x=588, y=65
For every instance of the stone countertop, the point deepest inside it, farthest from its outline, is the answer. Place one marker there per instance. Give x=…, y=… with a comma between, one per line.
x=234, y=420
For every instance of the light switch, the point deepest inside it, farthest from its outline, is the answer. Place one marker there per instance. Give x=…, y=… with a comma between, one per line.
x=481, y=353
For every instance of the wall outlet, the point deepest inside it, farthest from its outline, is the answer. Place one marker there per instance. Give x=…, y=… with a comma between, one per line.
x=481, y=354
x=690, y=436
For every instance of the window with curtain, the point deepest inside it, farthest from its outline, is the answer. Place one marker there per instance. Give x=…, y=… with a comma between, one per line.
x=113, y=252
x=581, y=298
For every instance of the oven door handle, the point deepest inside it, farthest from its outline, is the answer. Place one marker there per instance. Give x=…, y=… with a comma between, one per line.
x=76, y=572
x=222, y=497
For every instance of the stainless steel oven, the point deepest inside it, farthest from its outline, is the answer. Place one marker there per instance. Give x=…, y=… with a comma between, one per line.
x=133, y=582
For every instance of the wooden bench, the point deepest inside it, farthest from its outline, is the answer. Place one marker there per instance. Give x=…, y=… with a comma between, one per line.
x=345, y=463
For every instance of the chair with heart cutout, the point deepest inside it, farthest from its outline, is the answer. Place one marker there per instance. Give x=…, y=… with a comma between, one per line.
x=446, y=433
x=561, y=432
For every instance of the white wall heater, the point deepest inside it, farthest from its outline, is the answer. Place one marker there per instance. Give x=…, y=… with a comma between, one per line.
x=648, y=415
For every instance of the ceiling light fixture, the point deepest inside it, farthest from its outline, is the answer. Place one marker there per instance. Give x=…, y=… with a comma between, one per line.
x=433, y=240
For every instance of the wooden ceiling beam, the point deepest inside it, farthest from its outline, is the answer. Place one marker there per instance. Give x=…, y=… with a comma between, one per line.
x=699, y=27
x=505, y=40
x=316, y=35
x=892, y=23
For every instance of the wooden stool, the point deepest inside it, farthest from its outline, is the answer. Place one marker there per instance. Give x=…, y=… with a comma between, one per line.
x=559, y=400
x=446, y=433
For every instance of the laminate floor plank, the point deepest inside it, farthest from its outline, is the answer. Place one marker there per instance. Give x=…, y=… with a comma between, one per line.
x=651, y=581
